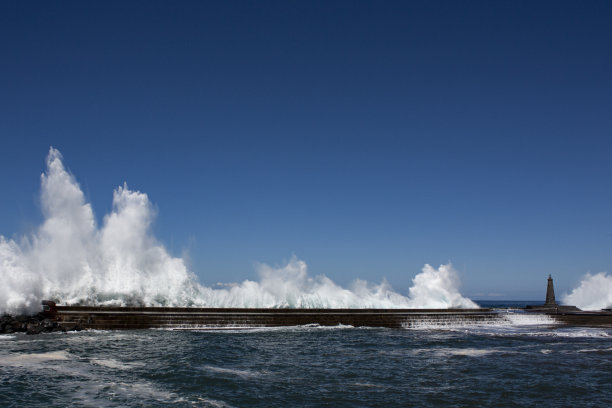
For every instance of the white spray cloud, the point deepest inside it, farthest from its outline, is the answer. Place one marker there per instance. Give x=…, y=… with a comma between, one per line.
x=593, y=293
x=437, y=288
x=291, y=286
x=72, y=259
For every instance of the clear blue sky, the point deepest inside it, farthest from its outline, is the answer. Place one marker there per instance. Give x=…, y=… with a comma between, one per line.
x=367, y=138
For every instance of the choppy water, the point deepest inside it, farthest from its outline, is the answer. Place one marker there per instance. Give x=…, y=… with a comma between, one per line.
x=513, y=364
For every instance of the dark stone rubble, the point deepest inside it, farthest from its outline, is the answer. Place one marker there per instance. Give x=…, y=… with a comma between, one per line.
x=36, y=324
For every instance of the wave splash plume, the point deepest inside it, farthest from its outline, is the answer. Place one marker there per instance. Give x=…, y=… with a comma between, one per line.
x=593, y=293
x=120, y=262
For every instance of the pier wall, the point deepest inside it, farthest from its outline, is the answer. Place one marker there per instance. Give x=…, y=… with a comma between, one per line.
x=110, y=318
x=583, y=318
x=106, y=318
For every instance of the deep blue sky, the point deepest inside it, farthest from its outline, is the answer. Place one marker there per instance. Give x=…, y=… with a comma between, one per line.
x=367, y=138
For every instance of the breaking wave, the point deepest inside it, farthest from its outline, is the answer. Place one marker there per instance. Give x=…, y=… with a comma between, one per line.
x=593, y=293
x=72, y=259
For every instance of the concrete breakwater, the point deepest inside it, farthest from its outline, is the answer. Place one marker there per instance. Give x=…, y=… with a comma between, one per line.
x=109, y=318
x=106, y=318
x=62, y=318
x=581, y=318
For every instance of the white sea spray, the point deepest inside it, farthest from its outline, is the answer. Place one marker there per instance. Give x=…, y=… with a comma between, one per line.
x=593, y=293
x=120, y=262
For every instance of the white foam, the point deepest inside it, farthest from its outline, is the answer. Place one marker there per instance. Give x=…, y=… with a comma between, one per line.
x=257, y=329
x=528, y=319
x=467, y=352
x=231, y=372
x=34, y=359
x=73, y=259
x=214, y=403
x=369, y=385
x=559, y=332
x=504, y=321
x=114, y=364
x=577, y=333
x=445, y=324
x=594, y=350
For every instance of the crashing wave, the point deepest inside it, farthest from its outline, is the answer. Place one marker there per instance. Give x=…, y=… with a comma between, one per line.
x=120, y=262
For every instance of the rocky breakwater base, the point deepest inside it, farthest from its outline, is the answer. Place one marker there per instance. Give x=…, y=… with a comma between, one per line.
x=39, y=323
x=43, y=322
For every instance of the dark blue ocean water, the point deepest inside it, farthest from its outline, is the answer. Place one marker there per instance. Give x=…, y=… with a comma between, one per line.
x=514, y=304
x=520, y=362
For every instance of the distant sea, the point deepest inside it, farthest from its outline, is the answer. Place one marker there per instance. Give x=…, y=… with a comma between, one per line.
x=526, y=361
x=507, y=304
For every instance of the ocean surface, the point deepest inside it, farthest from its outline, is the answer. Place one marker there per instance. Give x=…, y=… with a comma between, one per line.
x=523, y=361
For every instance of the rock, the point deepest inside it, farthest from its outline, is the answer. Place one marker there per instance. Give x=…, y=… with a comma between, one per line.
x=58, y=328
x=4, y=322
x=36, y=324
x=34, y=328
x=18, y=326
x=48, y=325
x=74, y=327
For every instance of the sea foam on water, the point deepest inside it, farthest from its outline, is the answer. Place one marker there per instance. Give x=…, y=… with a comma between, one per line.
x=73, y=259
